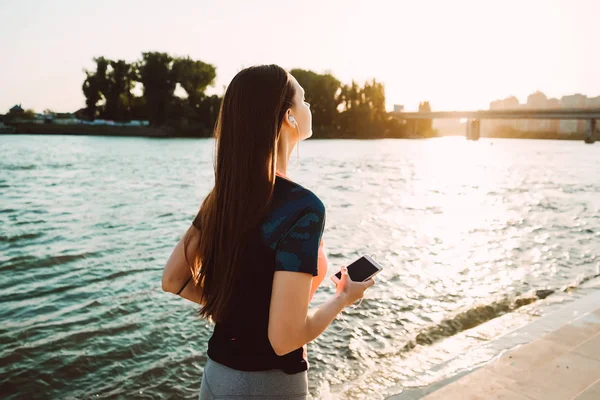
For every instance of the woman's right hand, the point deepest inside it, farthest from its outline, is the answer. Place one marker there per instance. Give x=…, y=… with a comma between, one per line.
x=349, y=290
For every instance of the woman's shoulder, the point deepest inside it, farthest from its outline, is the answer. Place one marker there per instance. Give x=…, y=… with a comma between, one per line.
x=294, y=198
x=290, y=203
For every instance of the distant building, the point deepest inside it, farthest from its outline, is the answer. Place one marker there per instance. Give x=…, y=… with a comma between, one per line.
x=496, y=105
x=489, y=126
x=16, y=109
x=105, y=122
x=593, y=102
x=572, y=101
x=398, y=108
x=554, y=123
x=37, y=119
x=65, y=119
x=17, y=114
x=509, y=103
x=134, y=122
x=537, y=101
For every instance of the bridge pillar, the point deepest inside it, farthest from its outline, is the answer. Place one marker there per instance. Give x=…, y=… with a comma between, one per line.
x=591, y=129
x=473, y=129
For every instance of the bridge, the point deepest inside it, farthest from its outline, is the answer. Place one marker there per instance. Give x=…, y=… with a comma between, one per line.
x=474, y=117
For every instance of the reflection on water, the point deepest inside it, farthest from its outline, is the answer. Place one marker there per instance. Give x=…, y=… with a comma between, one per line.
x=467, y=231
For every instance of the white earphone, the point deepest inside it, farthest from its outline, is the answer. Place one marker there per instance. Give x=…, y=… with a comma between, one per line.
x=291, y=119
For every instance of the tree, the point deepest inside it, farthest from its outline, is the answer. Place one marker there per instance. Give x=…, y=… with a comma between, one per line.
x=94, y=85
x=117, y=91
x=373, y=94
x=363, y=112
x=194, y=77
x=92, y=94
x=155, y=72
x=349, y=96
x=208, y=112
x=338, y=110
x=396, y=129
x=28, y=114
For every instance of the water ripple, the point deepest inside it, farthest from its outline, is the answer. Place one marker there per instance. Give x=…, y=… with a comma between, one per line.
x=467, y=233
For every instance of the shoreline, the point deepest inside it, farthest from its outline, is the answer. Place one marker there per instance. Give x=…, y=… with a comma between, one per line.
x=574, y=323
x=90, y=130
x=169, y=132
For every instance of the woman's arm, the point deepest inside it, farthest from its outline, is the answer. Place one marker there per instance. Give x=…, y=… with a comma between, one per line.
x=177, y=271
x=291, y=323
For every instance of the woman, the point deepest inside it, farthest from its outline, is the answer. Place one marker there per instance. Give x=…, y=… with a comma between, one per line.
x=253, y=256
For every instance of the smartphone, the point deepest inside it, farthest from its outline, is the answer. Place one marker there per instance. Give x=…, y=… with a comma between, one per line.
x=360, y=270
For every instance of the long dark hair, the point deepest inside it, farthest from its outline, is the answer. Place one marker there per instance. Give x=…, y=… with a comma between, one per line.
x=246, y=134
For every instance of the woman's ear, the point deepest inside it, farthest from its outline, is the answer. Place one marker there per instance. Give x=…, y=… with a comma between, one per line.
x=289, y=119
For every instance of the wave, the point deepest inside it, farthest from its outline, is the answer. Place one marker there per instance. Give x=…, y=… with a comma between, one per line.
x=27, y=261
x=16, y=238
x=479, y=314
x=9, y=167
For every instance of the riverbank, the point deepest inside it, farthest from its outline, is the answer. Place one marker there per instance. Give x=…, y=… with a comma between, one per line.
x=170, y=132
x=536, y=135
x=92, y=130
x=556, y=356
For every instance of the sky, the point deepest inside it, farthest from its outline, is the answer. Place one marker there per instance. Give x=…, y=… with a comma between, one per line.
x=457, y=54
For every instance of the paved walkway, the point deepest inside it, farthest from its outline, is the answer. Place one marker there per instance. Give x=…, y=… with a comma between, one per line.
x=562, y=364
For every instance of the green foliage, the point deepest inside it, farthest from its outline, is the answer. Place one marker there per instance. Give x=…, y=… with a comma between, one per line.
x=28, y=114
x=208, y=112
x=194, y=77
x=350, y=111
x=199, y=113
x=19, y=115
x=108, y=91
x=118, y=91
x=94, y=86
x=338, y=110
x=363, y=112
x=155, y=72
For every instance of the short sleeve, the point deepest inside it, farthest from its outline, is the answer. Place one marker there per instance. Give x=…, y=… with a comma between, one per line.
x=298, y=249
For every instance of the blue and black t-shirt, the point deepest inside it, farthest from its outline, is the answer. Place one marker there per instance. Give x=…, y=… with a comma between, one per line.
x=287, y=239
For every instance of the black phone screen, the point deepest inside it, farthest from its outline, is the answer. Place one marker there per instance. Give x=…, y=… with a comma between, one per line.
x=359, y=270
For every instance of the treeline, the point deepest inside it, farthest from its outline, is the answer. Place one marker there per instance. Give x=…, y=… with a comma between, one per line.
x=339, y=110
x=109, y=91
x=347, y=110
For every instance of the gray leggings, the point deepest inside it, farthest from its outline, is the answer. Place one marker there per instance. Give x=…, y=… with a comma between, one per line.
x=222, y=382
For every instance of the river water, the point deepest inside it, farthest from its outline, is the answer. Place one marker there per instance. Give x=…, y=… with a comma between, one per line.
x=467, y=231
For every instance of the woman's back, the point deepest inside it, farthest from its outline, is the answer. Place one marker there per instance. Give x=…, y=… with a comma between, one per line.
x=288, y=239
